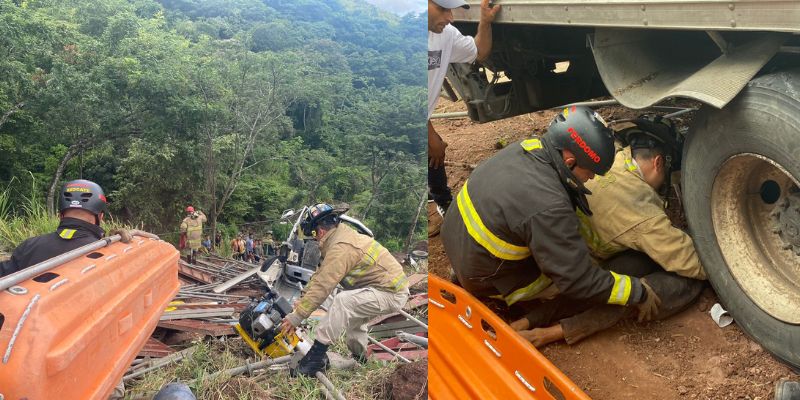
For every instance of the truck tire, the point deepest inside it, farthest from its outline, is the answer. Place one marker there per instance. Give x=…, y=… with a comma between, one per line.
x=740, y=179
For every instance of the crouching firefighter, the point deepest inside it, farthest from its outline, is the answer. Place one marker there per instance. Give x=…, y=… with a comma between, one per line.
x=514, y=235
x=374, y=284
x=631, y=233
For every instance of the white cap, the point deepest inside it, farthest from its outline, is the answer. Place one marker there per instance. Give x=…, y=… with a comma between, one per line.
x=451, y=3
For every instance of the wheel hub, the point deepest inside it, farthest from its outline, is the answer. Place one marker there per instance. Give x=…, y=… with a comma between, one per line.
x=786, y=217
x=755, y=211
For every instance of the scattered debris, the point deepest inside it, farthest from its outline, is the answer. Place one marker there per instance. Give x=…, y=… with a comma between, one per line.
x=197, y=313
x=195, y=326
x=215, y=290
x=720, y=315
x=145, y=366
x=154, y=348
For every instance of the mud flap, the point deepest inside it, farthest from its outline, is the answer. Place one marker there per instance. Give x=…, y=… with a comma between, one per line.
x=647, y=66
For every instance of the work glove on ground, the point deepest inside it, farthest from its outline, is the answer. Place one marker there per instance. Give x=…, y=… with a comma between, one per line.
x=648, y=309
x=125, y=235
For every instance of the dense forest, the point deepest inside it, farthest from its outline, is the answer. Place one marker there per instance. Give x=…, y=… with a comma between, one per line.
x=242, y=108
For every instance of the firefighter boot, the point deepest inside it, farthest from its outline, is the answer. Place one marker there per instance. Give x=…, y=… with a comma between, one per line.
x=315, y=360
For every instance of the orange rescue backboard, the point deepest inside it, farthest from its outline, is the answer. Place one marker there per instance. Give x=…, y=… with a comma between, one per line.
x=473, y=354
x=71, y=333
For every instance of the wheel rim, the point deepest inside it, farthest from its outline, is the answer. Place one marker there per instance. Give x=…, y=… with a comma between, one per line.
x=755, y=209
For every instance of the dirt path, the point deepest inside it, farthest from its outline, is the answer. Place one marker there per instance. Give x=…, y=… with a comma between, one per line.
x=686, y=356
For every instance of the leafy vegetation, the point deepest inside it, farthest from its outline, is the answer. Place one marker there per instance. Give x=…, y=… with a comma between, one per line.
x=242, y=108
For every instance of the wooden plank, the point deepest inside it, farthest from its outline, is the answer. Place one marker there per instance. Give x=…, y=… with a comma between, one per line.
x=189, y=272
x=154, y=348
x=237, y=307
x=208, y=264
x=235, y=281
x=150, y=365
x=195, y=326
x=407, y=350
x=416, y=301
x=393, y=317
x=416, y=278
x=389, y=329
x=199, y=313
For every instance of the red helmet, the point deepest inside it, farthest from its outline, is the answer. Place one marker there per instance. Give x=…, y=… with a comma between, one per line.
x=190, y=209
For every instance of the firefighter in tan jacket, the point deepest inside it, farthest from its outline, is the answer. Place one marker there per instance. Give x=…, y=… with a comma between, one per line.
x=192, y=233
x=629, y=231
x=629, y=213
x=374, y=284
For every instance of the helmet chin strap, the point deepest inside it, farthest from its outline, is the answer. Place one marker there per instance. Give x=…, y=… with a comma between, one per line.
x=577, y=192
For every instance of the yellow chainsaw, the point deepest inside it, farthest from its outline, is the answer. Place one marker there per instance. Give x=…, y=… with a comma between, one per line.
x=259, y=326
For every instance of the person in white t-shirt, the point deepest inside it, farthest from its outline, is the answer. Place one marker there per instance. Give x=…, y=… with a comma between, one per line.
x=447, y=45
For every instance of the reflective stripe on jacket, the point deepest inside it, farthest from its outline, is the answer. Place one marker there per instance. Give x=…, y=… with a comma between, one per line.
x=193, y=227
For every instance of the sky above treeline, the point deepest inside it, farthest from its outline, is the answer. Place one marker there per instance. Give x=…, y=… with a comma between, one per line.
x=401, y=7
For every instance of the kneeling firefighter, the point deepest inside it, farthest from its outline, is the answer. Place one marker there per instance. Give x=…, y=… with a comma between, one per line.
x=513, y=234
x=374, y=284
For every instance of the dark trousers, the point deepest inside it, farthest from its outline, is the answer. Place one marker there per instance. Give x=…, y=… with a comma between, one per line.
x=437, y=186
x=580, y=320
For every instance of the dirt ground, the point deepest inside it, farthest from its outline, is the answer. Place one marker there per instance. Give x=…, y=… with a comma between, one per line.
x=686, y=356
x=409, y=381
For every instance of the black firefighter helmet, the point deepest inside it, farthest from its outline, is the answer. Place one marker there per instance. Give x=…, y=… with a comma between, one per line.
x=84, y=195
x=654, y=132
x=321, y=212
x=584, y=133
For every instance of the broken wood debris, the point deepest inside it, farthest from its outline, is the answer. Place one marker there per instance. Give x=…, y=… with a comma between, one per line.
x=196, y=326
x=154, y=348
x=146, y=366
x=214, y=290
x=197, y=313
x=246, y=368
x=390, y=348
x=188, y=271
x=237, y=307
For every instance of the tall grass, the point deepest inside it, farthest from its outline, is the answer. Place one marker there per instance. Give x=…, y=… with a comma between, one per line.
x=27, y=218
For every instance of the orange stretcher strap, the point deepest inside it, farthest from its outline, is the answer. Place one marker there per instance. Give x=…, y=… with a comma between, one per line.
x=473, y=354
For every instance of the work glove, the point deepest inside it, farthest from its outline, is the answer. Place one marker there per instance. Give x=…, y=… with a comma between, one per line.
x=124, y=235
x=648, y=309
